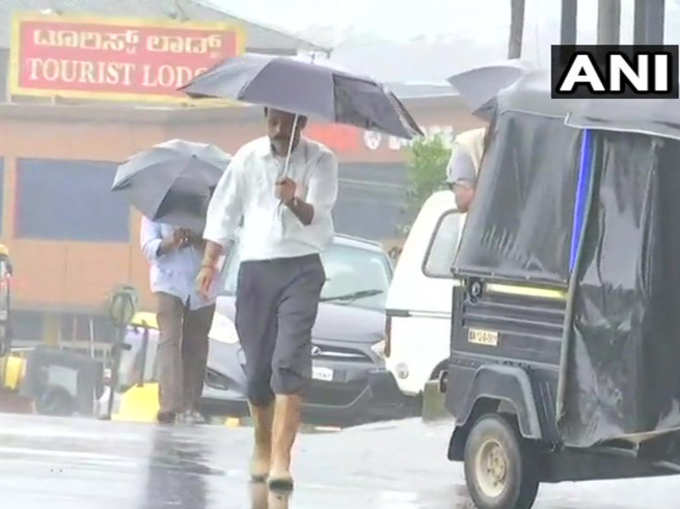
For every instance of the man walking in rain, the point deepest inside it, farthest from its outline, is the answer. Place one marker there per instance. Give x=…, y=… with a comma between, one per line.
x=287, y=222
x=184, y=318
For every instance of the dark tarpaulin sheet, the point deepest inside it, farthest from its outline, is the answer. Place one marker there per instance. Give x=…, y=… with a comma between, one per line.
x=624, y=363
x=522, y=227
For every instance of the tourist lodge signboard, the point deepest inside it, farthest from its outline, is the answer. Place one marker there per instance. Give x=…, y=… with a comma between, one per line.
x=85, y=57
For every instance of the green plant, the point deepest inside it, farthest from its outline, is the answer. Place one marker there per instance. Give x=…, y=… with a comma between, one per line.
x=427, y=161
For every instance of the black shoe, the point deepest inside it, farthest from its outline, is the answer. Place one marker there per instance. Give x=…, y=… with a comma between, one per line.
x=166, y=417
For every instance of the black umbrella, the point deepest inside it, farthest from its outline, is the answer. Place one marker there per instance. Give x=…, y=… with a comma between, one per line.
x=304, y=88
x=173, y=181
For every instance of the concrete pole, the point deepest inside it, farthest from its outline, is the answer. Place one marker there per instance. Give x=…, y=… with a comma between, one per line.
x=568, y=22
x=609, y=22
x=516, y=28
x=649, y=22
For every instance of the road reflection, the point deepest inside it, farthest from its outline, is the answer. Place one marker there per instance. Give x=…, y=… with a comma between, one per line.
x=176, y=474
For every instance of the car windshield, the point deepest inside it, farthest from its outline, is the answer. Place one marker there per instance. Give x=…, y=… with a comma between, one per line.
x=355, y=276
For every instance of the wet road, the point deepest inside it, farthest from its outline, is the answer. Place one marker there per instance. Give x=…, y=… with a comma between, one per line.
x=51, y=463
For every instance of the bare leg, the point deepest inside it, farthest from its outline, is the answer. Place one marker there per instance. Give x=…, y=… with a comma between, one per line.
x=263, y=417
x=286, y=425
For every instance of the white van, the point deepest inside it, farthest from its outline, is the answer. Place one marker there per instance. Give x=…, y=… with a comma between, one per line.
x=419, y=299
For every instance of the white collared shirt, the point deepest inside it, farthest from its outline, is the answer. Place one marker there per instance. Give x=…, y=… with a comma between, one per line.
x=270, y=230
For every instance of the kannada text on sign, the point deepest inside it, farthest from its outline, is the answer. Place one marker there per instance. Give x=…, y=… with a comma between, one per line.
x=114, y=59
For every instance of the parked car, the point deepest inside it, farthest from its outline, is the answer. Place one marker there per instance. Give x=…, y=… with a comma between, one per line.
x=350, y=382
x=419, y=300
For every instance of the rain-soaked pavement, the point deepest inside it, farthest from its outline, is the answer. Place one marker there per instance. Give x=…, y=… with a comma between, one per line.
x=52, y=463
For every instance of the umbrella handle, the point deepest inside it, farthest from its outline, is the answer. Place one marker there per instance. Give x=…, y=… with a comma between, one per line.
x=290, y=146
x=278, y=212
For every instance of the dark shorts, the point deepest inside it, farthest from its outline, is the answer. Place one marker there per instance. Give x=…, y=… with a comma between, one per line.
x=276, y=307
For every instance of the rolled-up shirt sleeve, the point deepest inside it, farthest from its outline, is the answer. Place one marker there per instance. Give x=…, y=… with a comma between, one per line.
x=150, y=239
x=226, y=205
x=323, y=187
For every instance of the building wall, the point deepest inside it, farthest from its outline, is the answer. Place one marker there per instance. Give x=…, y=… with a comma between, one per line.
x=67, y=273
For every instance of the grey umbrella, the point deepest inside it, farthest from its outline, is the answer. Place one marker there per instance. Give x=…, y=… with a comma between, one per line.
x=172, y=182
x=305, y=88
x=479, y=86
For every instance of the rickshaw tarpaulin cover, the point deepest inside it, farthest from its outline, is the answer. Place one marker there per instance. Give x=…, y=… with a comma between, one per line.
x=624, y=365
x=623, y=362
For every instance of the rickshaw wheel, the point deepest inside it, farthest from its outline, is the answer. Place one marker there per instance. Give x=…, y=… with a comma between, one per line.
x=498, y=465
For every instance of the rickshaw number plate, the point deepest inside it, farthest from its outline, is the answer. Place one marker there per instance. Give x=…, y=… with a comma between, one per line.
x=483, y=337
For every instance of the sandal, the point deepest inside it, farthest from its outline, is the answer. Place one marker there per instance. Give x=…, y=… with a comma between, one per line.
x=280, y=484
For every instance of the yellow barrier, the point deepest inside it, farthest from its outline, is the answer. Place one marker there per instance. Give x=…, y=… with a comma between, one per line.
x=147, y=317
x=139, y=404
x=13, y=370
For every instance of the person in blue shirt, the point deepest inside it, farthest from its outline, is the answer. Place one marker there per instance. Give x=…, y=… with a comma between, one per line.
x=184, y=317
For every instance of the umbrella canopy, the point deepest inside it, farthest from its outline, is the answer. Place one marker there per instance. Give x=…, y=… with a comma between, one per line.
x=173, y=151
x=172, y=182
x=305, y=88
x=480, y=85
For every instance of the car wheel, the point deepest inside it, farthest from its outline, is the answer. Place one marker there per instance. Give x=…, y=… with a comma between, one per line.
x=498, y=465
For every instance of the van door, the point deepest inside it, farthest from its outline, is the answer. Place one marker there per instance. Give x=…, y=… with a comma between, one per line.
x=419, y=305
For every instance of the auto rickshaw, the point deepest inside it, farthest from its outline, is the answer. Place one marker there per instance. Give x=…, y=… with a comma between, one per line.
x=565, y=336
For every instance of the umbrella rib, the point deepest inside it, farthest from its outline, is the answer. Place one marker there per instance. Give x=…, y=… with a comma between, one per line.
x=240, y=78
x=335, y=99
x=243, y=89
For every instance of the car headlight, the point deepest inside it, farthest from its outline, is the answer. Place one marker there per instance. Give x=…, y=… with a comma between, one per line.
x=223, y=329
x=379, y=348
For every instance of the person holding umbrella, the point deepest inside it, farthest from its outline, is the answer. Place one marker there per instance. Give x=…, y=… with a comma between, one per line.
x=286, y=224
x=184, y=318
x=171, y=185
x=284, y=188
x=478, y=88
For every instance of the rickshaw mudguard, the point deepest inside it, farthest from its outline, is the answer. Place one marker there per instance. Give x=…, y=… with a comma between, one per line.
x=502, y=384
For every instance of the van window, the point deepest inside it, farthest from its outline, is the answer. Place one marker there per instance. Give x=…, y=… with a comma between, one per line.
x=443, y=246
